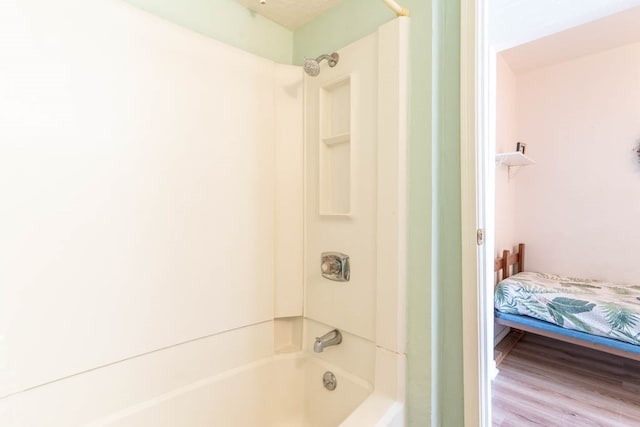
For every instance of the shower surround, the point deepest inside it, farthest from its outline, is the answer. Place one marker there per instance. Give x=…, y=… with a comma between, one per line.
x=163, y=226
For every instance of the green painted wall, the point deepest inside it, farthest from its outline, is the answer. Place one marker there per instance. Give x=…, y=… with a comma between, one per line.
x=349, y=21
x=447, y=239
x=228, y=22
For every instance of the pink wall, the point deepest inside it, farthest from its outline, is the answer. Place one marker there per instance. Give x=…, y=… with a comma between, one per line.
x=506, y=138
x=577, y=209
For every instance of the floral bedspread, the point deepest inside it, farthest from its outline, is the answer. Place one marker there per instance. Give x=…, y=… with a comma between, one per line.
x=599, y=308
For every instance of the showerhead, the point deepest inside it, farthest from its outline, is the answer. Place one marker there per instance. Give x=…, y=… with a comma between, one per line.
x=312, y=66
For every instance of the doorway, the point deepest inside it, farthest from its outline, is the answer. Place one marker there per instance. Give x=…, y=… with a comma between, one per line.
x=485, y=32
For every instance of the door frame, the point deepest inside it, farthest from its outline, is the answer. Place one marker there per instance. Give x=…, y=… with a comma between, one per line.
x=477, y=173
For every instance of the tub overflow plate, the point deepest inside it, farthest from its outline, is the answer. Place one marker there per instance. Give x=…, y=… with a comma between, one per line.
x=329, y=381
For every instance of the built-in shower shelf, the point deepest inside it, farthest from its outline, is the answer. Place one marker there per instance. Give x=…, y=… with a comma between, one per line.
x=335, y=148
x=337, y=139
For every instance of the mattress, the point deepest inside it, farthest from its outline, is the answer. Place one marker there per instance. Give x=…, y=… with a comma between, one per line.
x=595, y=307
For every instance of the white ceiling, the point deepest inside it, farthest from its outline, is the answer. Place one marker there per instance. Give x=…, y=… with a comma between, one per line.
x=515, y=22
x=290, y=14
x=596, y=36
x=511, y=22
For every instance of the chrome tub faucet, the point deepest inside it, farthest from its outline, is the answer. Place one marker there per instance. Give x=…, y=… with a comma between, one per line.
x=330, y=338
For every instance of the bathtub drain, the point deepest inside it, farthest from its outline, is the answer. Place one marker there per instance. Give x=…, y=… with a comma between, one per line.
x=329, y=381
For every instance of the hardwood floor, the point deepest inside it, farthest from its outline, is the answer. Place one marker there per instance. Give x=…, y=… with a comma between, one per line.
x=544, y=382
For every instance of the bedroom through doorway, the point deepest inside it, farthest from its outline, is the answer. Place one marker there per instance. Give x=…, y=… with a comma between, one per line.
x=557, y=95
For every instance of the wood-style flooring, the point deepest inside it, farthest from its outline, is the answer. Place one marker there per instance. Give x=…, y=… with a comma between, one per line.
x=544, y=382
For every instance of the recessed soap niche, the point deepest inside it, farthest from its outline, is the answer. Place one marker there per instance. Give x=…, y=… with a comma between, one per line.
x=287, y=334
x=335, y=148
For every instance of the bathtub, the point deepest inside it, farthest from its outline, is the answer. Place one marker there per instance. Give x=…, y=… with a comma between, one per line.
x=279, y=391
x=233, y=379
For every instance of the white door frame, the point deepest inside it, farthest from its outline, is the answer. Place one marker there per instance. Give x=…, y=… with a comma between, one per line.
x=477, y=204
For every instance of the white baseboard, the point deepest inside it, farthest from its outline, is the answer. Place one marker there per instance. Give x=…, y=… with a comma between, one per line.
x=493, y=370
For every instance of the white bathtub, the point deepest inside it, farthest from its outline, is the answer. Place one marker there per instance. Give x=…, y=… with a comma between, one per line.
x=225, y=380
x=279, y=391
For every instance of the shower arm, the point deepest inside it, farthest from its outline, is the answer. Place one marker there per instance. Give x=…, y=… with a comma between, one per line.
x=332, y=59
x=399, y=10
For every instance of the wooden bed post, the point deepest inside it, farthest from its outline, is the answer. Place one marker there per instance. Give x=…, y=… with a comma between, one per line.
x=505, y=271
x=507, y=262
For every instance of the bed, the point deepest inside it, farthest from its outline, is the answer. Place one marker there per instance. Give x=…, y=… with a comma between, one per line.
x=591, y=313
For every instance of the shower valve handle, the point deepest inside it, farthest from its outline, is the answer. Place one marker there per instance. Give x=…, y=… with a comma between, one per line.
x=330, y=267
x=335, y=266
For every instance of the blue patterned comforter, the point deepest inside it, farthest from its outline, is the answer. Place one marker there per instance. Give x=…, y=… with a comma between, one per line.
x=599, y=308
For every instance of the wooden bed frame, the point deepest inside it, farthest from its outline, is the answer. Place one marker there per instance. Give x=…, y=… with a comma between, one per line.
x=504, y=267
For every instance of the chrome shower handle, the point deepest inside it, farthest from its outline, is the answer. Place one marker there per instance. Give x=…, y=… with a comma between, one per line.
x=330, y=266
x=335, y=266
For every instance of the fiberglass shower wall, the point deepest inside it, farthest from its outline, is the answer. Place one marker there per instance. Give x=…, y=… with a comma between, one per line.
x=355, y=168
x=137, y=178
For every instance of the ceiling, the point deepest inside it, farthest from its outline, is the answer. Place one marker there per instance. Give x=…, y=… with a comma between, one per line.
x=514, y=22
x=291, y=14
x=511, y=22
x=596, y=36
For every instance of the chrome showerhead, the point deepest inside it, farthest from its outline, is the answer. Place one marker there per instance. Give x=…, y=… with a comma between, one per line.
x=312, y=66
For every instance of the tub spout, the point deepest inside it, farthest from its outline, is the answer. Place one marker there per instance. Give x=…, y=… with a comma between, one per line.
x=330, y=338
